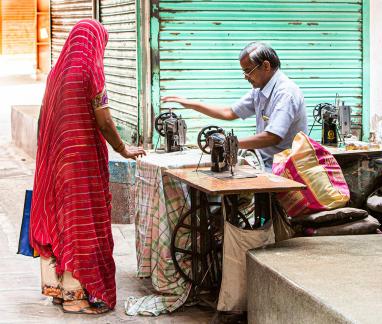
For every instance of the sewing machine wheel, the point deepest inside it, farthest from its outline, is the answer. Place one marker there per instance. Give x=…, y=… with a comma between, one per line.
x=159, y=121
x=317, y=111
x=203, y=135
x=206, y=272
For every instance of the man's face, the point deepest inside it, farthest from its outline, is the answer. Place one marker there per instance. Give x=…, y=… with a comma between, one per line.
x=252, y=73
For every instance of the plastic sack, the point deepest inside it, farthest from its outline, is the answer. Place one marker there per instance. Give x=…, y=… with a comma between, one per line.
x=310, y=163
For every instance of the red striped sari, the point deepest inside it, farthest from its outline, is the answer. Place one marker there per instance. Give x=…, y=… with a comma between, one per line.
x=70, y=217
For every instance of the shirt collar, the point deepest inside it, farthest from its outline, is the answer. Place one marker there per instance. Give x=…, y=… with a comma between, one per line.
x=269, y=86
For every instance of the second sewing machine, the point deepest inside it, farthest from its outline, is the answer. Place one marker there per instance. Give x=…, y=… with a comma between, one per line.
x=173, y=129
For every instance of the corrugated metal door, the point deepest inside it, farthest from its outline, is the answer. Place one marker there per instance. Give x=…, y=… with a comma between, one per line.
x=119, y=18
x=65, y=14
x=197, y=44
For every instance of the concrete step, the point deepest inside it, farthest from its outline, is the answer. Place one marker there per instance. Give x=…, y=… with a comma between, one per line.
x=333, y=279
x=24, y=127
x=122, y=171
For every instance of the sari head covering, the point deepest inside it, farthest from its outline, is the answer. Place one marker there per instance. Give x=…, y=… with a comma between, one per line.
x=70, y=217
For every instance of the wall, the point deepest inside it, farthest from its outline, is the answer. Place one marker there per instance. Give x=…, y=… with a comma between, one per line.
x=18, y=21
x=376, y=67
x=320, y=49
x=64, y=15
x=1, y=28
x=120, y=62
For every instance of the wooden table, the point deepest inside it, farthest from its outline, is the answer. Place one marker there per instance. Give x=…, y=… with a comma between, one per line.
x=204, y=222
x=341, y=152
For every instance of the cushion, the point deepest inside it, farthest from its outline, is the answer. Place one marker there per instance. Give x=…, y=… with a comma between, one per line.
x=368, y=225
x=374, y=201
x=333, y=217
x=310, y=163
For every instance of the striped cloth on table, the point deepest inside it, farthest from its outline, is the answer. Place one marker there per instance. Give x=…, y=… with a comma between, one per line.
x=159, y=203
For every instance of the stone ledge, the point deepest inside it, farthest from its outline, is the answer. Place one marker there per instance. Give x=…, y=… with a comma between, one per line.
x=122, y=172
x=333, y=279
x=24, y=128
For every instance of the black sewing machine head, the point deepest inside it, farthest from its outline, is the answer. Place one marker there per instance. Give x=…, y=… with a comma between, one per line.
x=173, y=129
x=223, y=148
x=335, y=121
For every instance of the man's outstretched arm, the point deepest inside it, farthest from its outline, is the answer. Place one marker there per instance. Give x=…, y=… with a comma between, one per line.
x=219, y=112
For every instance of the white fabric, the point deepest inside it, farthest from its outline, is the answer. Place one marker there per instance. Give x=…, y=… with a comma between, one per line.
x=237, y=241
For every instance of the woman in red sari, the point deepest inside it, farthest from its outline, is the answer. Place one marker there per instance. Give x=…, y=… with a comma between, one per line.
x=70, y=217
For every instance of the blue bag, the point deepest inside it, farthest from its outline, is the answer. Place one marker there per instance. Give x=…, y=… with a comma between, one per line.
x=24, y=245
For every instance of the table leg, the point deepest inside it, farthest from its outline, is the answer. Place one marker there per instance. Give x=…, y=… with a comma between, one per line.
x=232, y=208
x=205, y=248
x=205, y=252
x=204, y=239
x=263, y=208
x=234, y=215
x=201, y=248
x=194, y=234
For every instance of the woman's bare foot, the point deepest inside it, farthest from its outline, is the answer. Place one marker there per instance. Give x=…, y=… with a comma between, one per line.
x=82, y=307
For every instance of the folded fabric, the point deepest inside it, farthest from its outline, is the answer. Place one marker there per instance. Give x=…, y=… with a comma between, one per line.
x=368, y=225
x=374, y=201
x=330, y=217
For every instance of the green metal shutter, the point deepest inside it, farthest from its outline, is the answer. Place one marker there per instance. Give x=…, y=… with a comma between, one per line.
x=319, y=44
x=118, y=16
x=65, y=14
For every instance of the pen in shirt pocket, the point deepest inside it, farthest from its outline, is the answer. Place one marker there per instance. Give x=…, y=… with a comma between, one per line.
x=264, y=117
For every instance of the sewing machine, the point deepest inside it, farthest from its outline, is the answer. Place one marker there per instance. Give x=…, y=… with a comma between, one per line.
x=335, y=121
x=173, y=129
x=222, y=147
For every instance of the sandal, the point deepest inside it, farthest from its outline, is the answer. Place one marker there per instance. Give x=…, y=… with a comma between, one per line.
x=89, y=310
x=57, y=301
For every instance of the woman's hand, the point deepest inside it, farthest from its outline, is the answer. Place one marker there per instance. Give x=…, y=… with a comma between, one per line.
x=132, y=152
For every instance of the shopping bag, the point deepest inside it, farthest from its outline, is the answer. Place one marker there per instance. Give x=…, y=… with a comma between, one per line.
x=24, y=246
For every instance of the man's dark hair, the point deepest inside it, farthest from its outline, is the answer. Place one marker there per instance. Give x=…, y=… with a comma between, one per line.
x=259, y=52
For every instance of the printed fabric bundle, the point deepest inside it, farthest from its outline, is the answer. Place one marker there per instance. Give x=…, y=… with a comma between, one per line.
x=310, y=163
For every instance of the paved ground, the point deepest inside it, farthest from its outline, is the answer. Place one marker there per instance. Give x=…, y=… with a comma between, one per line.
x=20, y=298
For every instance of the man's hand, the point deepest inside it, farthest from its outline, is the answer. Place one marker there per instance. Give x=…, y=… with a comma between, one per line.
x=133, y=152
x=219, y=112
x=180, y=100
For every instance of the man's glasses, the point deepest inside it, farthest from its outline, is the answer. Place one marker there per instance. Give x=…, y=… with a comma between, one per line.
x=248, y=74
